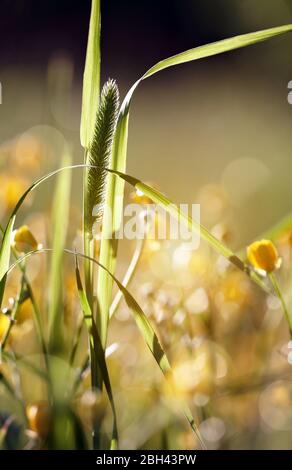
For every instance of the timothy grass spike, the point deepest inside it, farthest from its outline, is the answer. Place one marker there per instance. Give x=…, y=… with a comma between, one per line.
x=100, y=151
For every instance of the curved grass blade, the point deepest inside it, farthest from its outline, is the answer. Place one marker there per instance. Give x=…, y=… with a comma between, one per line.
x=91, y=80
x=114, y=198
x=143, y=324
x=193, y=225
x=218, y=47
x=96, y=348
x=5, y=249
x=5, y=255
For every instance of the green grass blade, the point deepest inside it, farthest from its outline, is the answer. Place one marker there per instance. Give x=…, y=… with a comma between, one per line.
x=114, y=199
x=218, y=47
x=5, y=255
x=5, y=249
x=91, y=80
x=59, y=224
x=193, y=225
x=96, y=348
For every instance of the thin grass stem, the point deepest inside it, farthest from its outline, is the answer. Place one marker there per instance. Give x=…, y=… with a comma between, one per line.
x=279, y=294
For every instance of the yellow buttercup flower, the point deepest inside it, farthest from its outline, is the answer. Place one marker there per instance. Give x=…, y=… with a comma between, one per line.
x=263, y=255
x=4, y=325
x=23, y=240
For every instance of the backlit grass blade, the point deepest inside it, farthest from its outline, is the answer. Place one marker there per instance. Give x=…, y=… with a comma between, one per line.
x=59, y=224
x=91, y=80
x=141, y=320
x=5, y=249
x=114, y=199
x=218, y=47
x=192, y=224
x=5, y=255
x=96, y=348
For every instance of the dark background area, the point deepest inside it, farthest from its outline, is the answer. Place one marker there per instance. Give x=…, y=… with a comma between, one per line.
x=135, y=34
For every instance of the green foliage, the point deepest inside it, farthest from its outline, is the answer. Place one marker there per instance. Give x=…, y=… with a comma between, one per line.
x=91, y=81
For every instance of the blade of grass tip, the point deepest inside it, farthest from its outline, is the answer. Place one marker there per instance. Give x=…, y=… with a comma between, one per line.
x=142, y=322
x=193, y=225
x=60, y=218
x=115, y=192
x=91, y=79
x=96, y=348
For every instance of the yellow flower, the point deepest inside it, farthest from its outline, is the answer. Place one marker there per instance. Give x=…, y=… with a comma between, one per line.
x=23, y=240
x=263, y=255
x=4, y=325
x=39, y=418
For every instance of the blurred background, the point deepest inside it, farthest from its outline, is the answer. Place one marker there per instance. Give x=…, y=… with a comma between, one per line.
x=215, y=132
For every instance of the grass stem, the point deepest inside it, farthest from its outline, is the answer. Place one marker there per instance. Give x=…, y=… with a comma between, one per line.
x=279, y=294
